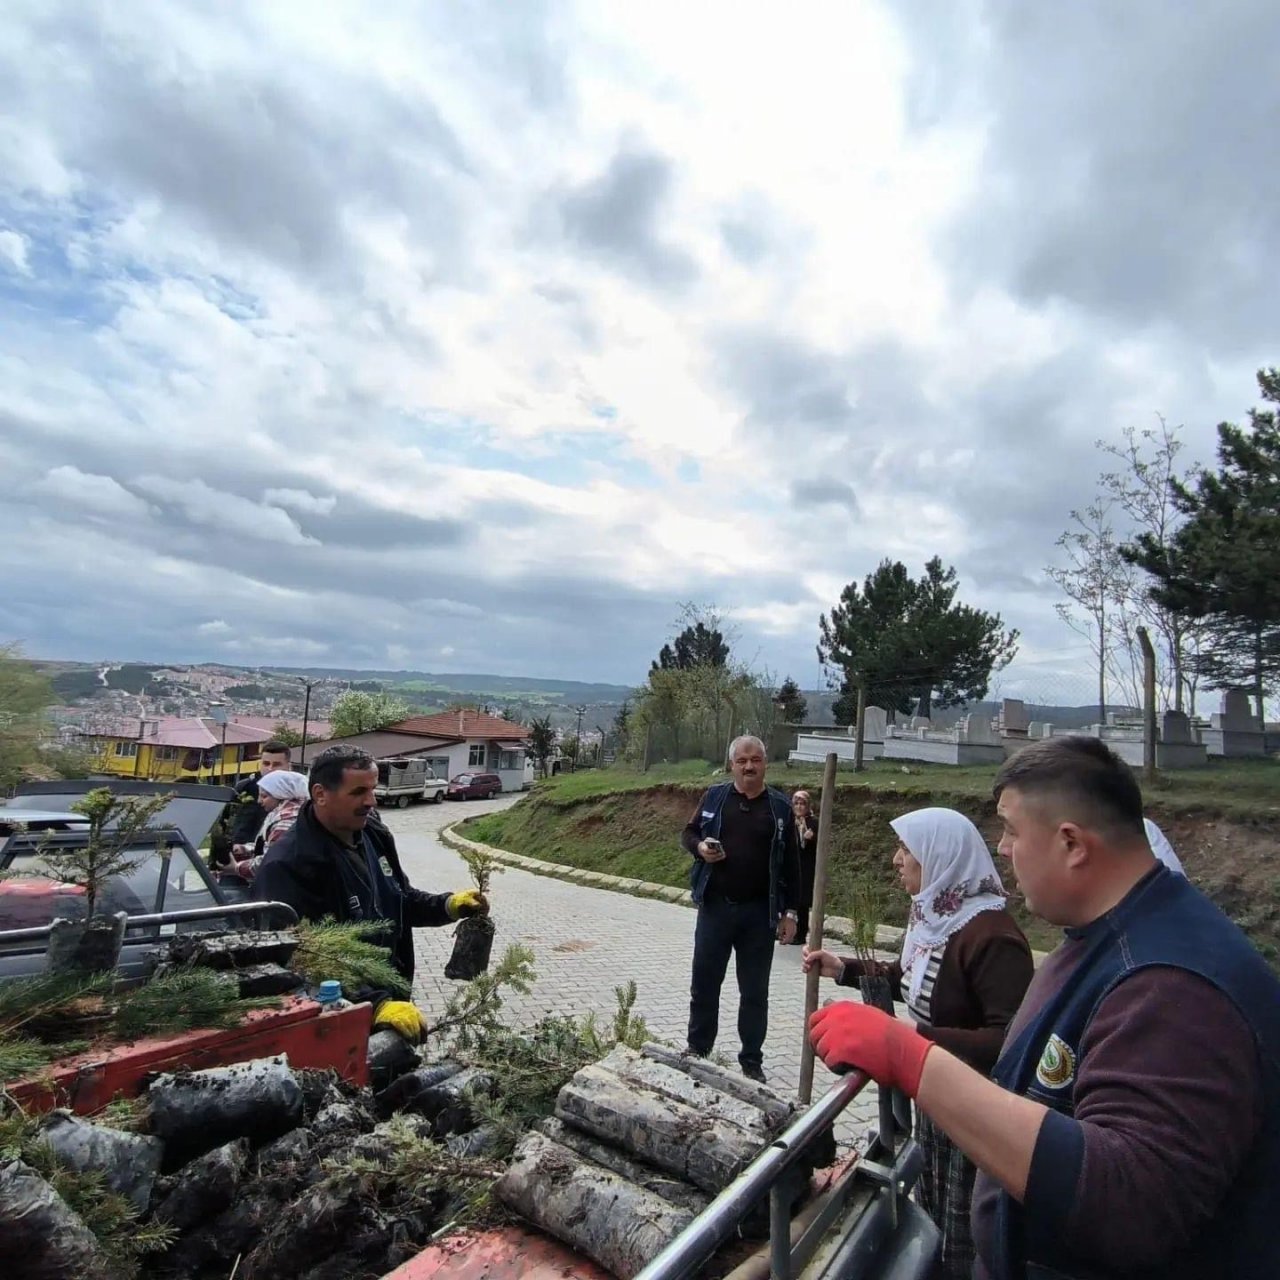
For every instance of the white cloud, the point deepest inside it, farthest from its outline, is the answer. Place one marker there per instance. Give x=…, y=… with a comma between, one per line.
x=83, y=493
x=300, y=500
x=13, y=250
x=233, y=515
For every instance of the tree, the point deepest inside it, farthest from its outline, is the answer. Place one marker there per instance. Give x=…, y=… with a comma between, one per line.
x=1098, y=580
x=700, y=644
x=286, y=733
x=357, y=711
x=117, y=826
x=1223, y=564
x=25, y=696
x=907, y=641
x=1143, y=490
x=791, y=702
x=542, y=742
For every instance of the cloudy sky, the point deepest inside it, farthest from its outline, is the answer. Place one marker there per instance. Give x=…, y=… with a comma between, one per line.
x=477, y=336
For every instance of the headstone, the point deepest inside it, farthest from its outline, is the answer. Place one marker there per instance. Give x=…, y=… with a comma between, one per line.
x=976, y=728
x=1036, y=730
x=921, y=722
x=1013, y=717
x=1236, y=715
x=874, y=723
x=1176, y=727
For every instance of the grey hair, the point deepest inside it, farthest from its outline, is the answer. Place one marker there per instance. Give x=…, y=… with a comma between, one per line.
x=743, y=739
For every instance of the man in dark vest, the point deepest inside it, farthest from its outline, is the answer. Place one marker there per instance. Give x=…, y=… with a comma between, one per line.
x=339, y=861
x=746, y=886
x=1132, y=1126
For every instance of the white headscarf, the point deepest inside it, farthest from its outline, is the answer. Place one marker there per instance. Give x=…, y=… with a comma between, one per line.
x=284, y=785
x=958, y=881
x=1161, y=847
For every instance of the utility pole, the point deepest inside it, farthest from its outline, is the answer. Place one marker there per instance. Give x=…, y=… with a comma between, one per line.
x=306, y=717
x=1148, y=706
x=860, y=732
x=582, y=711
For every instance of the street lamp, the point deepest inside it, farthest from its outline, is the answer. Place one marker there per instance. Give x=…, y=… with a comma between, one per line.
x=306, y=715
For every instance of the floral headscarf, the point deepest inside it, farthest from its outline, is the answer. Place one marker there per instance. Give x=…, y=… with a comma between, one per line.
x=958, y=881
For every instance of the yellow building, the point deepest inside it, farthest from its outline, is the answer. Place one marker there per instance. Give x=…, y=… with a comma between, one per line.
x=178, y=749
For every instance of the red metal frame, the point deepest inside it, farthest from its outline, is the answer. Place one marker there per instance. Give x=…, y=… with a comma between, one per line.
x=86, y=1083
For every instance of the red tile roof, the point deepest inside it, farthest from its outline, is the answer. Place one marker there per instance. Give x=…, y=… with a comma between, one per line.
x=461, y=724
x=316, y=729
x=181, y=731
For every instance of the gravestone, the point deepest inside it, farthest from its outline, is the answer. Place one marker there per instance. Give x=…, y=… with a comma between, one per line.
x=1013, y=718
x=875, y=720
x=1235, y=732
x=1177, y=747
x=977, y=727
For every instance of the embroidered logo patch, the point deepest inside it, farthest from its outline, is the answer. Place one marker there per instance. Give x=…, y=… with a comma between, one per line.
x=1057, y=1066
x=385, y=867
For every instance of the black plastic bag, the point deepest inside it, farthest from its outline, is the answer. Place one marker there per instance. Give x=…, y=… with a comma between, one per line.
x=472, y=946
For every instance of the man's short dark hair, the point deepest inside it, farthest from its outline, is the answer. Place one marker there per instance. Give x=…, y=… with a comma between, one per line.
x=329, y=766
x=277, y=748
x=1093, y=786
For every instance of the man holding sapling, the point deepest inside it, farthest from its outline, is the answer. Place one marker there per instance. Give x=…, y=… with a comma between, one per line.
x=1131, y=1126
x=746, y=886
x=340, y=861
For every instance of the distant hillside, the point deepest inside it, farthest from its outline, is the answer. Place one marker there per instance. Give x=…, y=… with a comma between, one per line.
x=566, y=692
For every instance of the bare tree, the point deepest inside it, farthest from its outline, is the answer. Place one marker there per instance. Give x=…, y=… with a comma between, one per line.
x=1143, y=488
x=1097, y=580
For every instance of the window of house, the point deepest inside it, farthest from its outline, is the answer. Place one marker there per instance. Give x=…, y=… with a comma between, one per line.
x=476, y=755
x=166, y=753
x=511, y=760
x=126, y=750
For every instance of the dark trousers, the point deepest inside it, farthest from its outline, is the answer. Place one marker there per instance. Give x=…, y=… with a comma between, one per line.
x=745, y=930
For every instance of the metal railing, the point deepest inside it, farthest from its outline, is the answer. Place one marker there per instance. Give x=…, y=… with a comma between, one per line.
x=290, y=917
x=885, y=1180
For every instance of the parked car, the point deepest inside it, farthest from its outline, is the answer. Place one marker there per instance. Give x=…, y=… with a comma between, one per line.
x=37, y=824
x=474, y=786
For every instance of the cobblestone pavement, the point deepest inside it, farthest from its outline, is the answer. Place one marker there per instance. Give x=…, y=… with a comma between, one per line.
x=588, y=941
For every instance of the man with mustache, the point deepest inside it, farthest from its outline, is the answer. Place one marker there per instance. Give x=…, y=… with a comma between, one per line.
x=746, y=886
x=340, y=861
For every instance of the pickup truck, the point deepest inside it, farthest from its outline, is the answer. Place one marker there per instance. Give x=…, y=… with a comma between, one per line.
x=402, y=781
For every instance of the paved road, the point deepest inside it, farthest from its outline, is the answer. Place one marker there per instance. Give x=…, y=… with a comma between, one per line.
x=587, y=941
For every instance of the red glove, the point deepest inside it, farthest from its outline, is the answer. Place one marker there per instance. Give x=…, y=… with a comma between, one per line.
x=848, y=1034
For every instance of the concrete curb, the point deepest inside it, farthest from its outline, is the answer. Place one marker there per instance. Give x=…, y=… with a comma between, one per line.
x=839, y=927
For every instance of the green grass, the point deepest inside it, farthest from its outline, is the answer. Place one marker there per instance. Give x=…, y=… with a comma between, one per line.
x=1234, y=788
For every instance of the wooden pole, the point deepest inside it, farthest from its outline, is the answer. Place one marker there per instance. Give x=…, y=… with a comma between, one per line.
x=860, y=733
x=1148, y=706
x=817, y=914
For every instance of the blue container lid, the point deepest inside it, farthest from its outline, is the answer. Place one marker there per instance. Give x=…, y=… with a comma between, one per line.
x=330, y=992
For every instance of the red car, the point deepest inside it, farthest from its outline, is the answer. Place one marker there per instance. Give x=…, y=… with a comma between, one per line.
x=474, y=786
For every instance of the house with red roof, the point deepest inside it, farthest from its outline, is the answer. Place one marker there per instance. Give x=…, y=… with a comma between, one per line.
x=452, y=742
x=177, y=749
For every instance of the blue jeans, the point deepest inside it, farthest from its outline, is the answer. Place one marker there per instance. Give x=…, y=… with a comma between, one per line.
x=746, y=930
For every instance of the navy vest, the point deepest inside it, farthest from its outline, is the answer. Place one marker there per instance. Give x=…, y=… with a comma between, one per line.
x=711, y=815
x=1164, y=921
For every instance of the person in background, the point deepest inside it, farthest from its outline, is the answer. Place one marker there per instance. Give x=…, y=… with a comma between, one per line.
x=807, y=843
x=746, y=886
x=338, y=860
x=964, y=969
x=282, y=794
x=1161, y=847
x=246, y=814
x=1131, y=1127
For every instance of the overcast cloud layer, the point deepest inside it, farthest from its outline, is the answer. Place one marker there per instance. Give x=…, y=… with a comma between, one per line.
x=477, y=337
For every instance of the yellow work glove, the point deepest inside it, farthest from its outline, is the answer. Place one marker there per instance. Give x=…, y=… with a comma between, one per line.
x=470, y=902
x=402, y=1017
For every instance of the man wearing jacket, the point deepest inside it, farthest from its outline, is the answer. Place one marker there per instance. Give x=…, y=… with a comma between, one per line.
x=746, y=886
x=1132, y=1123
x=340, y=861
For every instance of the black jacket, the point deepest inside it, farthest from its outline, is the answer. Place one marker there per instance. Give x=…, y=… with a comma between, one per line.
x=310, y=870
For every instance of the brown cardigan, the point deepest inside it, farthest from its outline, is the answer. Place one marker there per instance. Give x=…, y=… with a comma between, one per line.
x=985, y=971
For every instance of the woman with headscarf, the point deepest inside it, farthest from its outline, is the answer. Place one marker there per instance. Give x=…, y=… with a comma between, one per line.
x=964, y=969
x=282, y=794
x=1161, y=847
x=807, y=840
